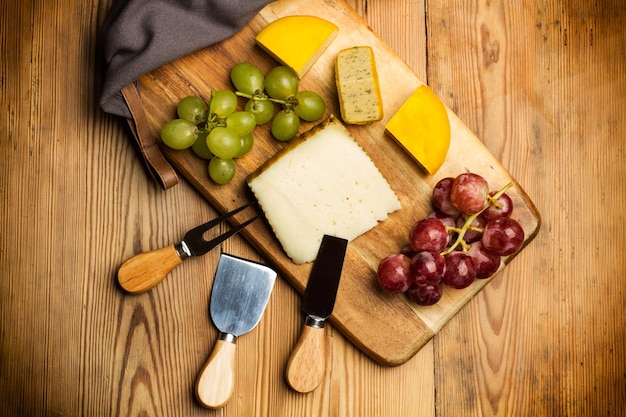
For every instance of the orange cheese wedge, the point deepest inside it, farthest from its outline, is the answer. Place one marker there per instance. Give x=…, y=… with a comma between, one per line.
x=421, y=126
x=297, y=41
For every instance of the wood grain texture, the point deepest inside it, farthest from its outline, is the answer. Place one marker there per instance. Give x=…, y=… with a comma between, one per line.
x=540, y=84
x=543, y=338
x=307, y=362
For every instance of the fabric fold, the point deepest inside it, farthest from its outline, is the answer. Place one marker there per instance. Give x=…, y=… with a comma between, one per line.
x=142, y=35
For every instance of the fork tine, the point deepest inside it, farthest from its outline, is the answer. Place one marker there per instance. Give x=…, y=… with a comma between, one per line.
x=195, y=240
x=210, y=224
x=216, y=241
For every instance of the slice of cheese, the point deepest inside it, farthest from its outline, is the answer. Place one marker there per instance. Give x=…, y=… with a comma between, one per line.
x=297, y=41
x=422, y=127
x=321, y=183
x=360, y=101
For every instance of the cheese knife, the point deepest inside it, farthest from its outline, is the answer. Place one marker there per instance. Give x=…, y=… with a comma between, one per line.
x=240, y=293
x=307, y=363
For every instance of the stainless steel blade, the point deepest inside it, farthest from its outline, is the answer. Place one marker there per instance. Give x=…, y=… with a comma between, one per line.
x=240, y=294
x=321, y=290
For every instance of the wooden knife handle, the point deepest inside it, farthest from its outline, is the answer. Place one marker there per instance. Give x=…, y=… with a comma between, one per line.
x=144, y=271
x=307, y=363
x=216, y=381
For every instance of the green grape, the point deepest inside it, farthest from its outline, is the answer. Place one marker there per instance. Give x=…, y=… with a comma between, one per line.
x=200, y=146
x=223, y=103
x=241, y=122
x=247, y=141
x=223, y=142
x=310, y=106
x=179, y=133
x=263, y=110
x=281, y=82
x=192, y=108
x=222, y=170
x=247, y=78
x=285, y=125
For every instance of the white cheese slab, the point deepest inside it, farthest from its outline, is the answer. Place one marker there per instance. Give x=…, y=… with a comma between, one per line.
x=323, y=183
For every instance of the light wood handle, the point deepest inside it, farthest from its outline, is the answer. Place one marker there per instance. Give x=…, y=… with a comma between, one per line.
x=144, y=271
x=307, y=363
x=217, y=378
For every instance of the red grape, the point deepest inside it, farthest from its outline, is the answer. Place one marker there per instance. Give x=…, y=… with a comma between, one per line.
x=428, y=234
x=427, y=267
x=506, y=207
x=446, y=219
x=441, y=197
x=469, y=193
x=460, y=270
x=425, y=295
x=485, y=261
x=503, y=236
x=393, y=273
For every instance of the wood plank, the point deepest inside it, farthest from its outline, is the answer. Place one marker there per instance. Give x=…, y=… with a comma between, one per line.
x=390, y=329
x=546, y=336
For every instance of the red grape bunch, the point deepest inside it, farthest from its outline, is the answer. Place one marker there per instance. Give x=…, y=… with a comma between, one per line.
x=462, y=240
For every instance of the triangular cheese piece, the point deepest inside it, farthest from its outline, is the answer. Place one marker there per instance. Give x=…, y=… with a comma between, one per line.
x=297, y=41
x=421, y=126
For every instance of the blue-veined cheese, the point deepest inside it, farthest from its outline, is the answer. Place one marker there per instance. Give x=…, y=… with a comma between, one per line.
x=321, y=183
x=360, y=101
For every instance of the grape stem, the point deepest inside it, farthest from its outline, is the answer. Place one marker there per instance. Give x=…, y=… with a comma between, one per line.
x=212, y=123
x=211, y=102
x=290, y=102
x=491, y=201
x=212, y=119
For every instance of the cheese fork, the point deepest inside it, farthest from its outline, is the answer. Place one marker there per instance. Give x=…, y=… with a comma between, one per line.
x=144, y=271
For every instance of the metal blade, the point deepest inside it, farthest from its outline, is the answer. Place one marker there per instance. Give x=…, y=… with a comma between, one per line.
x=321, y=290
x=240, y=294
x=194, y=243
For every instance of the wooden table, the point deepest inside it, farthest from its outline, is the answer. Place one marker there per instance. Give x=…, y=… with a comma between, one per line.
x=543, y=84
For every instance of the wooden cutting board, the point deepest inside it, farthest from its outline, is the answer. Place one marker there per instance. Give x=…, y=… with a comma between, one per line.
x=388, y=328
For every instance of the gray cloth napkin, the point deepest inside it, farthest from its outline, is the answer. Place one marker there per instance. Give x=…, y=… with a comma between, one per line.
x=141, y=35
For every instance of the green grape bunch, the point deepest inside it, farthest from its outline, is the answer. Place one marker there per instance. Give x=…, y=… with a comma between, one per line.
x=215, y=131
x=219, y=133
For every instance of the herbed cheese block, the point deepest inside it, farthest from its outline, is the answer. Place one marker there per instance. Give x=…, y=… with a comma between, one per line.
x=297, y=41
x=422, y=127
x=321, y=183
x=356, y=77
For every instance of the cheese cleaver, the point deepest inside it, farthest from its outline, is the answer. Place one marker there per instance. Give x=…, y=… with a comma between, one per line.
x=241, y=290
x=307, y=363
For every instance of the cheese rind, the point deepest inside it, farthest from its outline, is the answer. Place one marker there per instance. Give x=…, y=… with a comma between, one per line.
x=422, y=127
x=297, y=41
x=322, y=183
x=358, y=88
